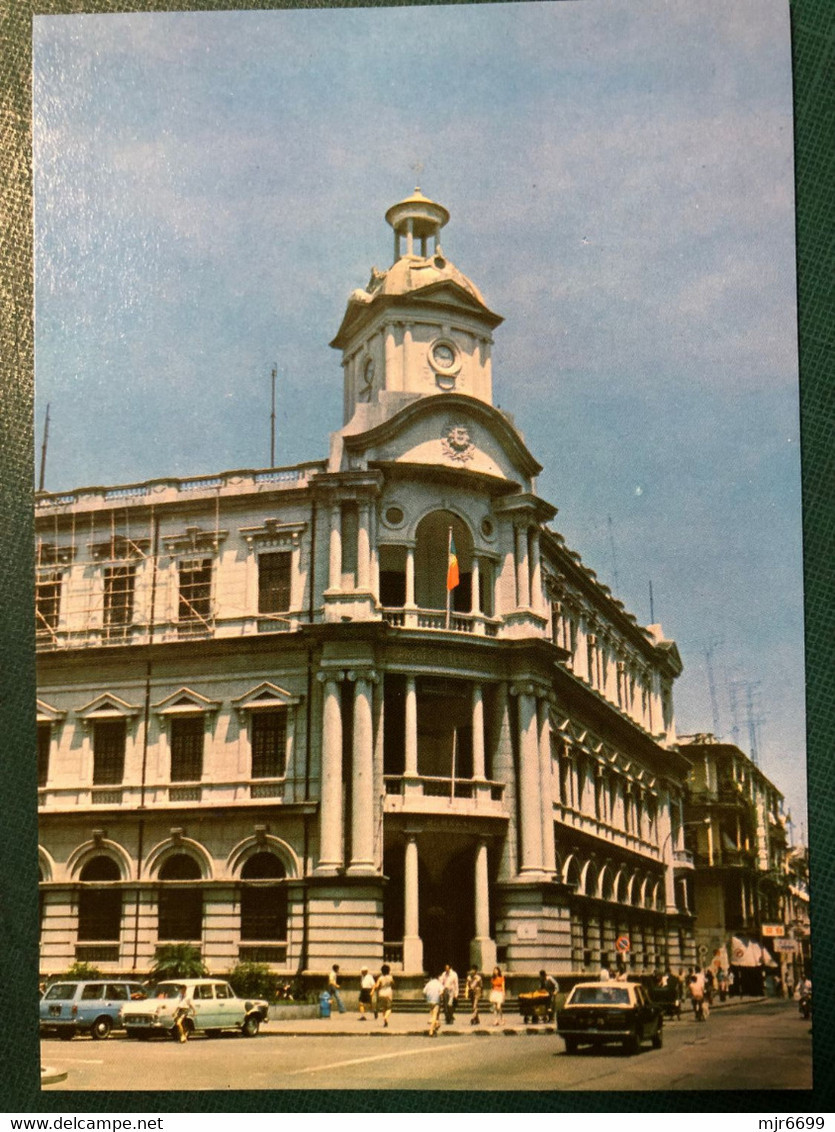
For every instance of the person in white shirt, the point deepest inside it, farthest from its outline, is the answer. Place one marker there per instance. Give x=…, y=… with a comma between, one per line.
x=432, y=992
x=449, y=981
x=366, y=988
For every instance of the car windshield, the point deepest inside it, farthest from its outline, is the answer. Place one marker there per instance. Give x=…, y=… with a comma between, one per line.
x=599, y=996
x=168, y=990
x=60, y=990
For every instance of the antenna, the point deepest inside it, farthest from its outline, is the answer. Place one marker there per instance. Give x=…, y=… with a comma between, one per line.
x=614, y=558
x=651, y=605
x=42, y=478
x=272, y=420
x=714, y=706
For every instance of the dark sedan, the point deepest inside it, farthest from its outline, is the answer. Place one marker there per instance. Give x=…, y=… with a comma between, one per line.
x=603, y=1013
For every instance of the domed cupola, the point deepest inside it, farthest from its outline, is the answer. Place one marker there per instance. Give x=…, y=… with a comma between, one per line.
x=421, y=328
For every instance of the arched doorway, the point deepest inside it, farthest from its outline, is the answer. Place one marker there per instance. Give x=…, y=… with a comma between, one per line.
x=432, y=559
x=447, y=913
x=180, y=908
x=263, y=901
x=100, y=909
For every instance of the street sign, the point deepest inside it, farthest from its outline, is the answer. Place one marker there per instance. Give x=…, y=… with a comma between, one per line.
x=622, y=943
x=773, y=930
x=787, y=946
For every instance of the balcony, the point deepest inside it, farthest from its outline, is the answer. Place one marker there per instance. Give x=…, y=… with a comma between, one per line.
x=430, y=794
x=436, y=620
x=160, y=795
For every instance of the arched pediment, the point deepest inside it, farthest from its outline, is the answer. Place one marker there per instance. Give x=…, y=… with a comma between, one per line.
x=451, y=431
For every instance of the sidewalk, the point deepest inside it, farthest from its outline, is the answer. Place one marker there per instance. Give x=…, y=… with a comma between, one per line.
x=412, y=1023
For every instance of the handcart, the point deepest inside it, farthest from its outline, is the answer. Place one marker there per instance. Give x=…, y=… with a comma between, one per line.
x=536, y=1006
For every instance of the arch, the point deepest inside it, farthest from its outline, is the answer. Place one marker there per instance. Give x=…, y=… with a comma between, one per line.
x=431, y=558
x=589, y=878
x=605, y=883
x=174, y=845
x=46, y=865
x=99, y=847
x=100, y=900
x=571, y=872
x=620, y=887
x=630, y=889
x=656, y=898
x=179, y=866
x=99, y=868
x=251, y=846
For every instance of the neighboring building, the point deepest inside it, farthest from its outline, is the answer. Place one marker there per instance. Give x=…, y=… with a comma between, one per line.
x=264, y=729
x=736, y=830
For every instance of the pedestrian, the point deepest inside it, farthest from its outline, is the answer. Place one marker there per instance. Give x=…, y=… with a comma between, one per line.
x=696, y=990
x=722, y=983
x=708, y=986
x=449, y=981
x=384, y=992
x=497, y=992
x=475, y=988
x=333, y=988
x=183, y=1010
x=604, y=974
x=549, y=984
x=433, y=992
x=789, y=983
x=366, y=988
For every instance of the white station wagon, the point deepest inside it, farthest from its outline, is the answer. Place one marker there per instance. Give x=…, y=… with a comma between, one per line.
x=213, y=1006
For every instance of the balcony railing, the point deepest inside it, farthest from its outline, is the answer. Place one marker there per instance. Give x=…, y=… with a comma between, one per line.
x=163, y=794
x=267, y=952
x=431, y=793
x=97, y=953
x=477, y=624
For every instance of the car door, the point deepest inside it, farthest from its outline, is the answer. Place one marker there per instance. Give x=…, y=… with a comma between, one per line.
x=205, y=1007
x=90, y=1003
x=229, y=1007
x=115, y=995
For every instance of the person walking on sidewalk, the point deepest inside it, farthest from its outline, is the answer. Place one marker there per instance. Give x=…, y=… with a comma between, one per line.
x=475, y=988
x=384, y=989
x=184, y=1010
x=333, y=988
x=432, y=992
x=497, y=992
x=366, y=989
x=449, y=981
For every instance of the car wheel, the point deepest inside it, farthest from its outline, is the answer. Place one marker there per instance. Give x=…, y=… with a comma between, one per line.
x=101, y=1028
x=250, y=1025
x=570, y=1045
x=658, y=1038
x=66, y=1035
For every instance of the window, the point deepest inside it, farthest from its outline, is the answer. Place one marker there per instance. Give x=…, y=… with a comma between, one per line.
x=223, y=990
x=108, y=752
x=263, y=905
x=180, y=909
x=269, y=743
x=274, y=582
x=117, y=992
x=93, y=992
x=187, y=748
x=44, y=746
x=47, y=600
x=118, y=598
x=195, y=590
x=100, y=909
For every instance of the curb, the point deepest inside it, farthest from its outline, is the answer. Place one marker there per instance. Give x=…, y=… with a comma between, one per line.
x=50, y=1076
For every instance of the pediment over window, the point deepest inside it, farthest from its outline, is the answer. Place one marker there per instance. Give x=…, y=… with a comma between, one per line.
x=186, y=702
x=264, y=697
x=107, y=706
x=49, y=714
x=274, y=535
x=194, y=540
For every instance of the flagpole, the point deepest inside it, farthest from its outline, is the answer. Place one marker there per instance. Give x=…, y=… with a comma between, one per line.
x=446, y=583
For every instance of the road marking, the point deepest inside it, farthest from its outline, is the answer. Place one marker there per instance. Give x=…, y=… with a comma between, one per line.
x=380, y=1057
x=80, y=1061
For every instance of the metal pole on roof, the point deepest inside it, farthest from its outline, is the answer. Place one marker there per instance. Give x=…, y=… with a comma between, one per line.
x=272, y=420
x=42, y=478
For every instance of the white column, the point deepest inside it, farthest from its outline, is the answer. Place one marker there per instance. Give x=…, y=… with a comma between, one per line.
x=362, y=778
x=363, y=548
x=410, y=577
x=412, y=943
x=478, y=733
x=536, y=571
x=529, y=786
x=407, y=353
x=330, y=803
x=410, y=236
x=549, y=852
x=665, y=828
x=523, y=589
x=389, y=380
x=335, y=549
x=411, y=744
x=482, y=947
x=475, y=603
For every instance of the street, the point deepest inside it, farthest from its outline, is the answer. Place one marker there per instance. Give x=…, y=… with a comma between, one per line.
x=753, y=1045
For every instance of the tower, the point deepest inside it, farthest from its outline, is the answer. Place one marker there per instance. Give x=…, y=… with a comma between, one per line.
x=418, y=329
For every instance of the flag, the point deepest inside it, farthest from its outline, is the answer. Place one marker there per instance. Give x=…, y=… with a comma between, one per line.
x=452, y=578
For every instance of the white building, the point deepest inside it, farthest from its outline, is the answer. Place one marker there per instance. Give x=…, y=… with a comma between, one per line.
x=263, y=731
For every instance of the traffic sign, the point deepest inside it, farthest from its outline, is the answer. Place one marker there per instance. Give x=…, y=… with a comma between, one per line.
x=622, y=943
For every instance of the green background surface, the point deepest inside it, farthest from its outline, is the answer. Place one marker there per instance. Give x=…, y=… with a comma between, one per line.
x=813, y=40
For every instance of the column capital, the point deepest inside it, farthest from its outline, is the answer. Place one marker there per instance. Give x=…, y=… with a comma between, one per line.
x=370, y=675
x=326, y=675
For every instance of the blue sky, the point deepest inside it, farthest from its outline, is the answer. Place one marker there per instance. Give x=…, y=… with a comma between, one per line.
x=209, y=187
